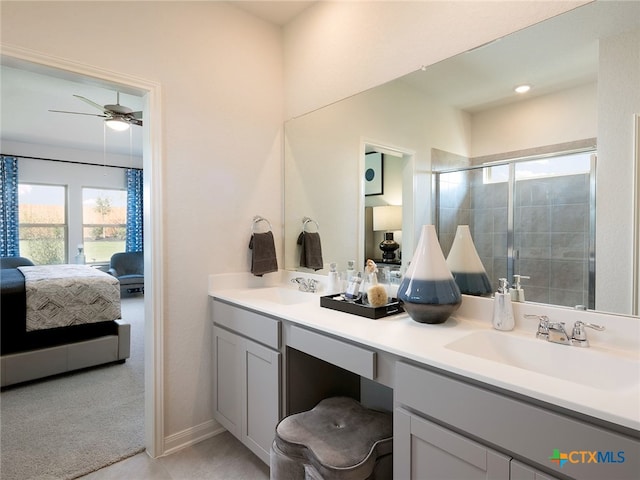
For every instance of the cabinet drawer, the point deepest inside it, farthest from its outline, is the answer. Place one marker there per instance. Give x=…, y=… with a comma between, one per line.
x=250, y=324
x=345, y=355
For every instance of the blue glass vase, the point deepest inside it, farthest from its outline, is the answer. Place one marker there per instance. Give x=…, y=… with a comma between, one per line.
x=427, y=290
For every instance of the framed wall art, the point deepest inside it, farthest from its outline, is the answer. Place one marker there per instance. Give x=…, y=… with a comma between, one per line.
x=373, y=174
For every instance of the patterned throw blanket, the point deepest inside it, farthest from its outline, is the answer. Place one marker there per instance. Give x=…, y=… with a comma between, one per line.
x=64, y=295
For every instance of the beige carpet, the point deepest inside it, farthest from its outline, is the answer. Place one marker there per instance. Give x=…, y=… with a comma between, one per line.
x=74, y=424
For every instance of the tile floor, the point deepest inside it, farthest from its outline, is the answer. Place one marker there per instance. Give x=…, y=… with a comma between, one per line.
x=220, y=457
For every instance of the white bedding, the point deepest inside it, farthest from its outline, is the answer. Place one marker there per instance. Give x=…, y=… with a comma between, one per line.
x=64, y=295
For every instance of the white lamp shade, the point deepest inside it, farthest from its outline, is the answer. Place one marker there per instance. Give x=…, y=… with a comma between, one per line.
x=387, y=218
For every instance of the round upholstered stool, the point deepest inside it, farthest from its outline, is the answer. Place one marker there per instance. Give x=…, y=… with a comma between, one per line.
x=338, y=439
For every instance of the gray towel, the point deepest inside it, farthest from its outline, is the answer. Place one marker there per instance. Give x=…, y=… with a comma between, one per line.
x=311, y=252
x=263, y=257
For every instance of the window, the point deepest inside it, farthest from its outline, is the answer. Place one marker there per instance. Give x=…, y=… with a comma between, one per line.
x=553, y=166
x=43, y=223
x=104, y=223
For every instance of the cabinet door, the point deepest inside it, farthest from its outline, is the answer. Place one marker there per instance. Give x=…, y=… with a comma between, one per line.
x=261, y=394
x=227, y=392
x=423, y=450
x=520, y=471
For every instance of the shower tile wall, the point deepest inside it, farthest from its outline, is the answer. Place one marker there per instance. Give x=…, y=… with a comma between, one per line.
x=489, y=224
x=455, y=206
x=551, y=238
x=551, y=230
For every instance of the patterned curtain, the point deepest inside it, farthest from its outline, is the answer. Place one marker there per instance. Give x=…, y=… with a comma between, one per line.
x=9, y=239
x=135, y=239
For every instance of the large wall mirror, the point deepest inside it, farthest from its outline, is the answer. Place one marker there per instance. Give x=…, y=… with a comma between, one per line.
x=583, y=69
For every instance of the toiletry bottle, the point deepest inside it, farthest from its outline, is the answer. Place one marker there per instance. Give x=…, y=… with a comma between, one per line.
x=349, y=274
x=80, y=258
x=353, y=289
x=502, y=308
x=334, y=285
x=517, y=292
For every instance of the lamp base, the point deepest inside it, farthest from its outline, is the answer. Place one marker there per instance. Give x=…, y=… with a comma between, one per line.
x=388, y=247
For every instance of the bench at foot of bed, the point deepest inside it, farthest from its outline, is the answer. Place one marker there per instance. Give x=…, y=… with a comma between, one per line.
x=34, y=364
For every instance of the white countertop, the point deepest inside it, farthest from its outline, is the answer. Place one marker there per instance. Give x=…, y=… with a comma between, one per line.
x=426, y=344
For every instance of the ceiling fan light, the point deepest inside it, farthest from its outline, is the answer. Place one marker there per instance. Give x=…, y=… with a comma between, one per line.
x=117, y=124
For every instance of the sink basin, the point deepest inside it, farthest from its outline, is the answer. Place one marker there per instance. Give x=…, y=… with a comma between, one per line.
x=280, y=295
x=584, y=366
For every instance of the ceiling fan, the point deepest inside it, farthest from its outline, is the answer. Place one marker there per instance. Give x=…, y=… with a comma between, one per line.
x=118, y=117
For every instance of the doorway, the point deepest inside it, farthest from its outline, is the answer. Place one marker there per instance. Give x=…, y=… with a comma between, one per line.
x=395, y=167
x=150, y=92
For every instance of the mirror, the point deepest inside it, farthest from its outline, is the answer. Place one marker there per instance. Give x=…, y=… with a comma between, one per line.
x=582, y=66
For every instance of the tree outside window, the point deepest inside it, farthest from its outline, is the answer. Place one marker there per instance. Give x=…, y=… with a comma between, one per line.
x=104, y=216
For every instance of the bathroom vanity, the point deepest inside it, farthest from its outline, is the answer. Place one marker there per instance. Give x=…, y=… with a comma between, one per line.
x=467, y=401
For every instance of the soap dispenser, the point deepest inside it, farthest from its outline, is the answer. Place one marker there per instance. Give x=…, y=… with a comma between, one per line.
x=502, y=307
x=517, y=292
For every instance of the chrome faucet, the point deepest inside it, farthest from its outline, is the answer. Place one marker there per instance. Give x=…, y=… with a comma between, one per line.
x=306, y=284
x=558, y=334
x=579, y=335
x=543, y=326
x=555, y=332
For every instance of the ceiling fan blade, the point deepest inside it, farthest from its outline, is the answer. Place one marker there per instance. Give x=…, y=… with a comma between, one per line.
x=80, y=113
x=93, y=104
x=135, y=121
x=137, y=115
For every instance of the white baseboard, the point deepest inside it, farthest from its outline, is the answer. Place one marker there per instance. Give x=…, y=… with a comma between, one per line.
x=191, y=436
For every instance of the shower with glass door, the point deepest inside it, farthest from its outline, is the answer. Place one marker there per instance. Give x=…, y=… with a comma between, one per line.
x=533, y=217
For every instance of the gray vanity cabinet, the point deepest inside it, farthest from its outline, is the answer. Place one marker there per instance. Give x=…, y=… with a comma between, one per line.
x=247, y=375
x=426, y=451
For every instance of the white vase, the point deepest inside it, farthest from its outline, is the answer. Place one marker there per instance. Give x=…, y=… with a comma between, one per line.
x=428, y=290
x=465, y=264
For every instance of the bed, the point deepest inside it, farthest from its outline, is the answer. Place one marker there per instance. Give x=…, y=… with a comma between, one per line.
x=56, y=319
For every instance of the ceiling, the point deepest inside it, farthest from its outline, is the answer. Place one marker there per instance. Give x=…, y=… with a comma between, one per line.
x=472, y=81
x=278, y=13
x=28, y=96
x=554, y=55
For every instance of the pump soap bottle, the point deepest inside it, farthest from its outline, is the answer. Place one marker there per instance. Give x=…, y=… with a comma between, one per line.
x=517, y=292
x=502, y=307
x=334, y=285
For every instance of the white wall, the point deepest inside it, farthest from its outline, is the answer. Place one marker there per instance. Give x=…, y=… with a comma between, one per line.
x=565, y=116
x=70, y=154
x=619, y=101
x=336, y=49
x=323, y=164
x=221, y=75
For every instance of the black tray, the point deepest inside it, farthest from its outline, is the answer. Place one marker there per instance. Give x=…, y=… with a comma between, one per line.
x=357, y=308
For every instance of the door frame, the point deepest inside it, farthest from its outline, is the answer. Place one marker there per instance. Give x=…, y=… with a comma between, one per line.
x=153, y=239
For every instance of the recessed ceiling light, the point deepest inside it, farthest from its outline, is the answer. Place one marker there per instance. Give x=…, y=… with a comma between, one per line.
x=522, y=88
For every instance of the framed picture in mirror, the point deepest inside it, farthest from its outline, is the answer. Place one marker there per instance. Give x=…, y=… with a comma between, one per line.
x=373, y=184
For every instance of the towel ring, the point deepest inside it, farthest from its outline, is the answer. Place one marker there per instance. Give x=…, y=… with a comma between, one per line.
x=257, y=219
x=306, y=220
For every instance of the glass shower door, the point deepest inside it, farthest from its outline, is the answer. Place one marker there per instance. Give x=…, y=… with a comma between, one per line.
x=534, y=218
x=554, y=215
